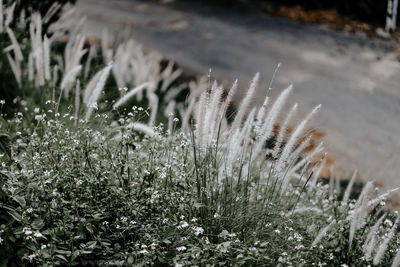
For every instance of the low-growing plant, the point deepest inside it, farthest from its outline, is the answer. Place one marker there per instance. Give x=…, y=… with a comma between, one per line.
x=90, y=182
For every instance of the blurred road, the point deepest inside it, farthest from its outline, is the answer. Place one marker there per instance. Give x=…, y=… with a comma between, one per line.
x=356, y=80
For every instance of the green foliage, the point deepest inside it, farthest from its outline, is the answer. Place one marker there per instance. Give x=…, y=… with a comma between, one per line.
x=96, y=194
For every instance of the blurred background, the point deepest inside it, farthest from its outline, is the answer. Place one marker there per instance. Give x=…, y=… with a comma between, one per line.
x=341, y=54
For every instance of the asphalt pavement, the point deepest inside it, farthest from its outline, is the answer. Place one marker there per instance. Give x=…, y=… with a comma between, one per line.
x=356, y=79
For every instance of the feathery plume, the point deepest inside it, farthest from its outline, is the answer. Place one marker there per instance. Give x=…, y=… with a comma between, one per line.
x=282, y=131
x=9, y=14
x=169, y=113
x=90, y=86
x=69, y=79
x=268, y=125
x=382, y=248
x=230, y=95
x=77, y=101
x=51, y=12
x=349, y=187
x=369, y=243
x=359, y=211
x=15, y=68
x=130, y=94
x=16, y=47
x=307, y=158
x=293, y=139
x=211, y=119
x=92, y=53
x=153, y=101
x=245, y=103
x=307, y=210
x=30, y=67
x=372, y=203
x=261, y=115
x=323, y=233
x=187, y=114
x=317, y=172
x=97, y=90
x=369, y=249
x=38, y=56
x=143, y=128
x=55, y=76
x=396, y=261
x=1, y=16
x=46, y=58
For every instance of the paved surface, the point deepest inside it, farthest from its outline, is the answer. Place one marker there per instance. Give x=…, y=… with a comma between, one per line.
x=356, y=80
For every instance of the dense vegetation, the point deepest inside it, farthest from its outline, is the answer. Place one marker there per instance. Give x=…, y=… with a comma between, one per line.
x=108, y=175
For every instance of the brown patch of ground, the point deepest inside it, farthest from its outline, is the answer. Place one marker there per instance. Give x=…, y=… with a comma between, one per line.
x=329, y=17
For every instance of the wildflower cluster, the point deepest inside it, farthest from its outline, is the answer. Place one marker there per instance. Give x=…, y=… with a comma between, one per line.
x=108, y=184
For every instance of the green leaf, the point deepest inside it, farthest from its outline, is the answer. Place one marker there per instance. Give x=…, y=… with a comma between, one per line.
x=37, y=224
x=5, y=146
x=62, y=257
x=15, y=215
x=20, y=200
x=91, y=244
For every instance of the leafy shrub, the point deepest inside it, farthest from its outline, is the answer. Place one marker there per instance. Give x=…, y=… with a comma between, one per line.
x=98, y=186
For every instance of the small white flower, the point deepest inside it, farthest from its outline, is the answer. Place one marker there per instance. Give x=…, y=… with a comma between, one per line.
x=27, y=231
x=277, y=230
x=183, y=224
x=124, y=219
x=54, y=193
x=344, y=265
x=388, y=222
x=43, y=246
x=31, y=257
x=39, y=117
x=194, y=220
x=29, y=210
x=38, y=234
x=216, y=215
x=143, y=251
x=198, y=230
x=93, y=105
x=2, y=102
x=79, y=182
x=36, y=110
x=182, y=248
x=132, y=222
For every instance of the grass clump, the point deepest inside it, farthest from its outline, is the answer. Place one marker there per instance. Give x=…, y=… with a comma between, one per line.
x=89, y=179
